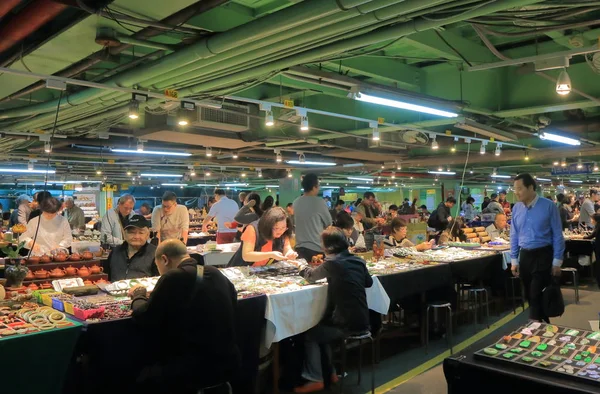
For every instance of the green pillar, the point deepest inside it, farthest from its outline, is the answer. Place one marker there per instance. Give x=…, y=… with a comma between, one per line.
x=289, y=188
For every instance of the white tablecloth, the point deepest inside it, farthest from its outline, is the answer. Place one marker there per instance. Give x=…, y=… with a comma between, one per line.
x=216, y=258
x=292, y=313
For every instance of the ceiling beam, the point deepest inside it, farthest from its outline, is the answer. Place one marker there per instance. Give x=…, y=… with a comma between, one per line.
x=430, y=42
x=540, y=109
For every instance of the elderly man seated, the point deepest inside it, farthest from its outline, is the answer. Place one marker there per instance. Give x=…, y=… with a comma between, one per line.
x=499, y=228
x=134, y=258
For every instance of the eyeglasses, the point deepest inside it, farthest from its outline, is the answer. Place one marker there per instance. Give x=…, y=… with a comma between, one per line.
x=279, y=229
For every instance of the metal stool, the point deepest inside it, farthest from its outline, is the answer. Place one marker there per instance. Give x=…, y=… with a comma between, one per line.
x=229, y=390
x=473, y=300
x=358, y=337
x=514, y=296
x=448, y=306
x=575, y=281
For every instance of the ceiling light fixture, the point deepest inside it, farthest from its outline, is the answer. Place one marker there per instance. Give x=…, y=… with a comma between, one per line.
x=563, y=162
x=374, y=126
x=403, y=105
x=453, y=148
x=304, y=123
x=183, y=114
x=482, y=148
x=278, y=157
x=150, y=152
x=99, y=172
x=441, y=173
x=500, y=176
x=160, y=175
x=174, y=184
x=269, y=121
x=563, y=83
x=259, y=172
x=360, y=179
x=207, y=173
x=311, y=163
x=208, y=151
x=140, y=146
x=129, y=173
x=25, y=171
x=134, y=110
x=30, y=166
x=595, y=167
x=556, y=163
x=47, y=147
x=559, y=138
x=289, y=173
x=192, y=171
x=234, y=155
x=243, y=174
x=498, y=149
x=398, y=165
x=575, y=181
x=434, y=143
x=579, y=164
x=544, y=179
x=526, y=157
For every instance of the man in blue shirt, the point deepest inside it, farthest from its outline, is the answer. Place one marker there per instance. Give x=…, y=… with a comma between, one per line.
x=537, y=245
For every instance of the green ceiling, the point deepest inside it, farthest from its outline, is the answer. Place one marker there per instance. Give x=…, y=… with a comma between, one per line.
x=361, y=47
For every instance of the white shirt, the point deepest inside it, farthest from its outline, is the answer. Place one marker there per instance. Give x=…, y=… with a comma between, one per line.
x=360, y=242
x=170, y=226
x=52, y=234
x=224, y=211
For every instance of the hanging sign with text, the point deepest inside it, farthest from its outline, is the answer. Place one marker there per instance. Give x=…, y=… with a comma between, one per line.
x=572, y=169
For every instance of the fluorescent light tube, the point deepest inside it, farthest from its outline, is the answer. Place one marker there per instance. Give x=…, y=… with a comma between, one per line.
x=575, y=181
x=150, y=174
x=272, y=186
x=26, y=171
x=151, y=152
x=360, y=179
x=78, y=182
x=501, y=176
x=330, y=187
x=544, y=179
x=311, y=163
x=442, y=172
x=559, y=138
x=403, y=105
x=234, y=184
x=364, y=187
x=173, y=184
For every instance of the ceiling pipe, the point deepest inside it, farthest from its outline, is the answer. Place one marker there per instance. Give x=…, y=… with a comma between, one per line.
x=27, y=21
x=7, y=6
x=177, y=18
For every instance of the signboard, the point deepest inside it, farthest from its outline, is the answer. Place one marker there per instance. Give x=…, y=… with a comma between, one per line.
x=572, y=169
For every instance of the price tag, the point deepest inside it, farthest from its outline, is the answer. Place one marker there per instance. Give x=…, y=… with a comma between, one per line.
x=380, y=120
x=171, y=93
x=288, y=103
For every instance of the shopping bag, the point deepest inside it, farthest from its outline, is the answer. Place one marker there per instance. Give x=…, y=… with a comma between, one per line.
x=552, y=299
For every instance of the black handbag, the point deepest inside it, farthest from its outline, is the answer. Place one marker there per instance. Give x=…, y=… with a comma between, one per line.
x=552, y=299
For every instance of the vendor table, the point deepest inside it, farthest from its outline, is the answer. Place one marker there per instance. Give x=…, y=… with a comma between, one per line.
x=466, y=374
x=579, y=247
x=37, y=362
x=193, y=241
x=103, y=343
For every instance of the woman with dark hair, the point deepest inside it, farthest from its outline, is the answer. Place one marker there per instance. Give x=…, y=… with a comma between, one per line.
x=49, y=231
x=398, y=237
x=348, y=313
x=267, y=204
x=469, y=209
x=567, y=216
x=265, y=240
x=248, y=213
x=38, y=198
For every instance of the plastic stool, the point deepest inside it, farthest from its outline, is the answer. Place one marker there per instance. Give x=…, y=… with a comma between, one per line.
x=473, y=300
x=447, y=306
x=575, y=281
x=358, y=337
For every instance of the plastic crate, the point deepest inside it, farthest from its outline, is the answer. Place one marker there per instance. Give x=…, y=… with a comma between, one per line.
x=47, y=298
x=69, y=308
x=85, y=314
x=38, y=294
x=58, y=304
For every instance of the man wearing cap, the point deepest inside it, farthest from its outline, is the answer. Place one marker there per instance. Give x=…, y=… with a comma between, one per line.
x=134, y=258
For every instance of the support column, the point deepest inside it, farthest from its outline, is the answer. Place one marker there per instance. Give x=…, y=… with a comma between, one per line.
x=289, y=188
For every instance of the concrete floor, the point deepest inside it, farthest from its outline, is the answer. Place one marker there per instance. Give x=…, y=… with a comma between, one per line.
x=576, y=315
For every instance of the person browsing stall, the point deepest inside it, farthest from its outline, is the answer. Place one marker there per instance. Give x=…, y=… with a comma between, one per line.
x=265, y=240
x=587, y=209
x=145, y=210
x=498, y=228
x=74, y=214
x=347, y=311
x=190, y=317
x=134, y=258
x=311, y=217
x=370, y=210
x=48, y=232
x=344, y=222
x=36, y=203
x=537, y=245
x=114, y=220
x=441, y=217
x=171, y=220
x=398, y=237
x=493, y=206
x=223, y=211
x=339, y=207
x=20, y=215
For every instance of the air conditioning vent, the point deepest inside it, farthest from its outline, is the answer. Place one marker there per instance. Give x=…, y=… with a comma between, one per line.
x=232, y=117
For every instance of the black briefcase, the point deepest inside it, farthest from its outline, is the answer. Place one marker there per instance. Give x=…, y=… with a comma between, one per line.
x=553, y=302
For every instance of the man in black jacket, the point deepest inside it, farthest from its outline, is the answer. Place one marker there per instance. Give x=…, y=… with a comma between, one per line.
x=190, y=316
x=134, y=258
x=347, y=310
x=441, y=217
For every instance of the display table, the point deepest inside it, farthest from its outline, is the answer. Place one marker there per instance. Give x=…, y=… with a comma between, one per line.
x=37, y=362
x=220, y=257
x=474, y=371
x=579, y=247
x=194, y=240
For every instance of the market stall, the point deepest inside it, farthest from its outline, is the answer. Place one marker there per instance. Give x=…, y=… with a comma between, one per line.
x=534, y=358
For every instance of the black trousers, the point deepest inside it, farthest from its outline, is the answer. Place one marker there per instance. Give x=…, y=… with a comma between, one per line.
x=306, y=254
x=536, y=272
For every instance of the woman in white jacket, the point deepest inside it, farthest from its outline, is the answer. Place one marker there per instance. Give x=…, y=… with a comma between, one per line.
x=53, y=231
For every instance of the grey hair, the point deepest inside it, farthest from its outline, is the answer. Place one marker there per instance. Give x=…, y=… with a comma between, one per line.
x=126, y=197
x=68, y=198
